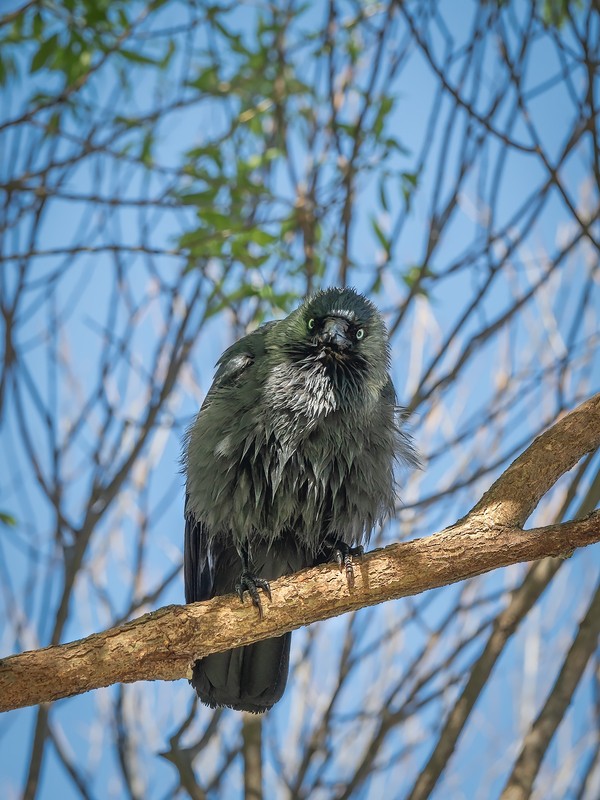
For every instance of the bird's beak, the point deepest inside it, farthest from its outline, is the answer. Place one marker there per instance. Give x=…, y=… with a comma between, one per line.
x=335, y=332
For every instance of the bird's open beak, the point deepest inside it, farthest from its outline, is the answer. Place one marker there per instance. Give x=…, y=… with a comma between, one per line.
x=335, y=333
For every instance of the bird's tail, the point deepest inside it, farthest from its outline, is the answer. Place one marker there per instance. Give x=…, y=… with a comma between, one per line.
x=253, y=677
x=250, y=678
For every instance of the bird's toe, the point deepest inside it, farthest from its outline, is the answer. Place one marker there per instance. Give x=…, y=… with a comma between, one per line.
x=342, y=553
x=252, y=583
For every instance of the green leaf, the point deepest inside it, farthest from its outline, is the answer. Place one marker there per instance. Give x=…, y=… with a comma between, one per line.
x=383, y=195
x=409, y=182
x=38, y=25
x=16, y=31
x=204, y=242
x=382, y=238
x=208, y=81
x=53, y=123
x=215, y=218
x=417, y=275
x=349, y=129
x=45, y=52
x=198, y=198
x=7, y=519
x=385, y=107
x=556, y=12
x=128, y=122
x=123, y=19
x=137, y=58
x=166, y=59
x=262, y=238
x=40, y=99
x=146, y=150
x=227, y=300
x=394, y=144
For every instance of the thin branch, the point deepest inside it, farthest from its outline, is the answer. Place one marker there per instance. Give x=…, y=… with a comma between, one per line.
x=520, y=783
x=514, y=496
x=505, y=625
x=252, y=750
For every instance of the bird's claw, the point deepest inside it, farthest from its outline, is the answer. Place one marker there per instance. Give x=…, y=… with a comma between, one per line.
x=252, y=583
x=343, y=553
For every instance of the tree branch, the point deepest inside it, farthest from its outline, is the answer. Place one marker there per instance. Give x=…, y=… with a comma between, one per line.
x=520, y=783
x=161, y=645
x=516, y=493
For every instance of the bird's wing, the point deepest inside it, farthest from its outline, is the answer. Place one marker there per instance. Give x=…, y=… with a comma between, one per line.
x=197, y=570
x=200, y=552
x=236, y=360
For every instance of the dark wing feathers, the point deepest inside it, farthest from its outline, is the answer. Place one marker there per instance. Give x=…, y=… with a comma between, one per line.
x=198, y=562
x=240, y=355
x=196, y=565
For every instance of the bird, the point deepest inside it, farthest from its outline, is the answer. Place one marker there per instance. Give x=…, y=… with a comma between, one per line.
x=289, y=463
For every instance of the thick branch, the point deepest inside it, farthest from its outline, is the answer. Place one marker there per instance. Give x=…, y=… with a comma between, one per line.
x=513, y=497
x=162, y=644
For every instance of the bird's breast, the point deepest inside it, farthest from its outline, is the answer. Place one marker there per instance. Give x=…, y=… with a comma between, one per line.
x=293, y=461
x=303, y=395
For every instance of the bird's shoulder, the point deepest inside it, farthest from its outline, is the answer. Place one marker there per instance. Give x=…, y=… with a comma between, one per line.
x=240, y=356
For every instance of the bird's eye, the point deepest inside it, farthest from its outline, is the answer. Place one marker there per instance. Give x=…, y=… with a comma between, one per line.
x=311, y=324
x=359, y=333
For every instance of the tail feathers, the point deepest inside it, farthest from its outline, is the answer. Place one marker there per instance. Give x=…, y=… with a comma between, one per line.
x=253, y=677
x=250, y=678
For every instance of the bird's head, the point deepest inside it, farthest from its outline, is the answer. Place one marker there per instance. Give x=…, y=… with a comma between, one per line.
x=341, y=333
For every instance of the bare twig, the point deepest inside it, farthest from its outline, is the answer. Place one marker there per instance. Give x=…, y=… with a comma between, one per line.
x=535, y=744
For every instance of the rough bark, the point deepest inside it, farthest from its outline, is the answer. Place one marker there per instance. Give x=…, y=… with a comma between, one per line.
x=162, y=644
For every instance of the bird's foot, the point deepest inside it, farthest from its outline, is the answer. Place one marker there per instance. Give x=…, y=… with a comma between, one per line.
x=342, y=553
x=252, y=583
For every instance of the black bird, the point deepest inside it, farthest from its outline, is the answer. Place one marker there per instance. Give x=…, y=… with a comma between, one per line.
x=289, y=463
